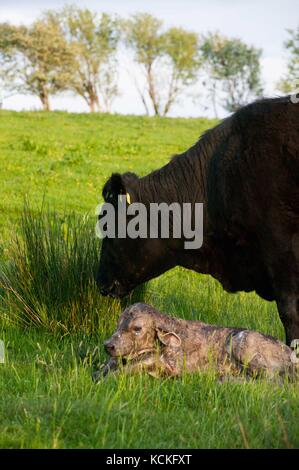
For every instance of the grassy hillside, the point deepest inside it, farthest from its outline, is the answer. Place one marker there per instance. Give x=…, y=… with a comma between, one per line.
x=47, y=396
x=68, y=157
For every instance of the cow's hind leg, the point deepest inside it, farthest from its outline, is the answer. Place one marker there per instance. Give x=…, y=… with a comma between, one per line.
x=288, y=308
x=283, y=269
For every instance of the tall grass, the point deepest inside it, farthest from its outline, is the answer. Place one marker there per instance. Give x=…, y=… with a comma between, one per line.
x=49, y=279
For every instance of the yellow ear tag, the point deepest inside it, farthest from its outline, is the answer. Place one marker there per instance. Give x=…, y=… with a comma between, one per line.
x=128, y=197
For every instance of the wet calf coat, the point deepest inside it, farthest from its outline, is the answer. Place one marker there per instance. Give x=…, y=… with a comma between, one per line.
x=147, y=340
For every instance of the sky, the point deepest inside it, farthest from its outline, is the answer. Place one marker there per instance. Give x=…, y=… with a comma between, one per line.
x=261, y=23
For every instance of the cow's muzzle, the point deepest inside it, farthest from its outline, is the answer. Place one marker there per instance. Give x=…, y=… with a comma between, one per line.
x=115, y=289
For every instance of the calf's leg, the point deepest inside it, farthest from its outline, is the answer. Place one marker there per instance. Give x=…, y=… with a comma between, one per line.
x=111, y=365
x=151, y=363
x=258, y=354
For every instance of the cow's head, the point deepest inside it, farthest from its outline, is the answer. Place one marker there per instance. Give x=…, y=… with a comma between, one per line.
x=125, y=262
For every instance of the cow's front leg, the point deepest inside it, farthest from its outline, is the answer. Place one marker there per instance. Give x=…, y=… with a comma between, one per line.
x=288, y=308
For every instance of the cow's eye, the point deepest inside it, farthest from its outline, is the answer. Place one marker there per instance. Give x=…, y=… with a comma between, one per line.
x=137, y=329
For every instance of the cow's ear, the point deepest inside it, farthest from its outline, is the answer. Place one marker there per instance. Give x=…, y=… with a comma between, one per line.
x=113, y=188
x=120, y=185
x=169, y=338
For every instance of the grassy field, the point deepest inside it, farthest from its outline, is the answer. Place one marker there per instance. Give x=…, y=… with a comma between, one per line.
x=47, y=396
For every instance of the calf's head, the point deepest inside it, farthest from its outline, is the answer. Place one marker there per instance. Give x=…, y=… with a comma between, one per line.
x=127, y=262
x=140, y=330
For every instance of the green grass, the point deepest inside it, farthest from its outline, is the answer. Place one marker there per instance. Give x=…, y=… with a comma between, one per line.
x=47, y=396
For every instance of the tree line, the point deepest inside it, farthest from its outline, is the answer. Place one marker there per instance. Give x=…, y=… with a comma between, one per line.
x=74, y=49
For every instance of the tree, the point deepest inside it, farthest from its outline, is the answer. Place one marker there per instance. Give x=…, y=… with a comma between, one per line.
x=291, y=82
x=182, y=54
x=94, y=42
x=235, y=67
x=8, y=62
x=143, y=36
x=169, y=60
x=44, y=62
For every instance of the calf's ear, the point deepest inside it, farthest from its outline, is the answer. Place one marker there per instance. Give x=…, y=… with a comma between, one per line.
x=169, y=338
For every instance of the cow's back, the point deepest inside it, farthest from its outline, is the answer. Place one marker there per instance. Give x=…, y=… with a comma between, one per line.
x=253, y=192
x=254, y=172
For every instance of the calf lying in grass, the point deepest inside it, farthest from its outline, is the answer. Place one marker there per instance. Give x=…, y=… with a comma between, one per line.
x=147, y=340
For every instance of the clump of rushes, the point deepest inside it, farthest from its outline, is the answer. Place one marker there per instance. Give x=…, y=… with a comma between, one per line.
x=49, y=279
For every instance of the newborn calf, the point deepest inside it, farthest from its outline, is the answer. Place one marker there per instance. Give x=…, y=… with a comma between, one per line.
x=148, y=340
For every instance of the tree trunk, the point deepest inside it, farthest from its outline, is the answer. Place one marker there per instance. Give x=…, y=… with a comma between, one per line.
x=91, y=105
x=44, y=97
x=92, y=98
x=213, y=95
x=152, y=91
x=94, y=103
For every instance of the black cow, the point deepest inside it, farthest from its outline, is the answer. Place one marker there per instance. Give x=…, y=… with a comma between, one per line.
x=246, y=172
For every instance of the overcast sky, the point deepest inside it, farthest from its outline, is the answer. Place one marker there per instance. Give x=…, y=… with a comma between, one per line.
x=261, y=23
